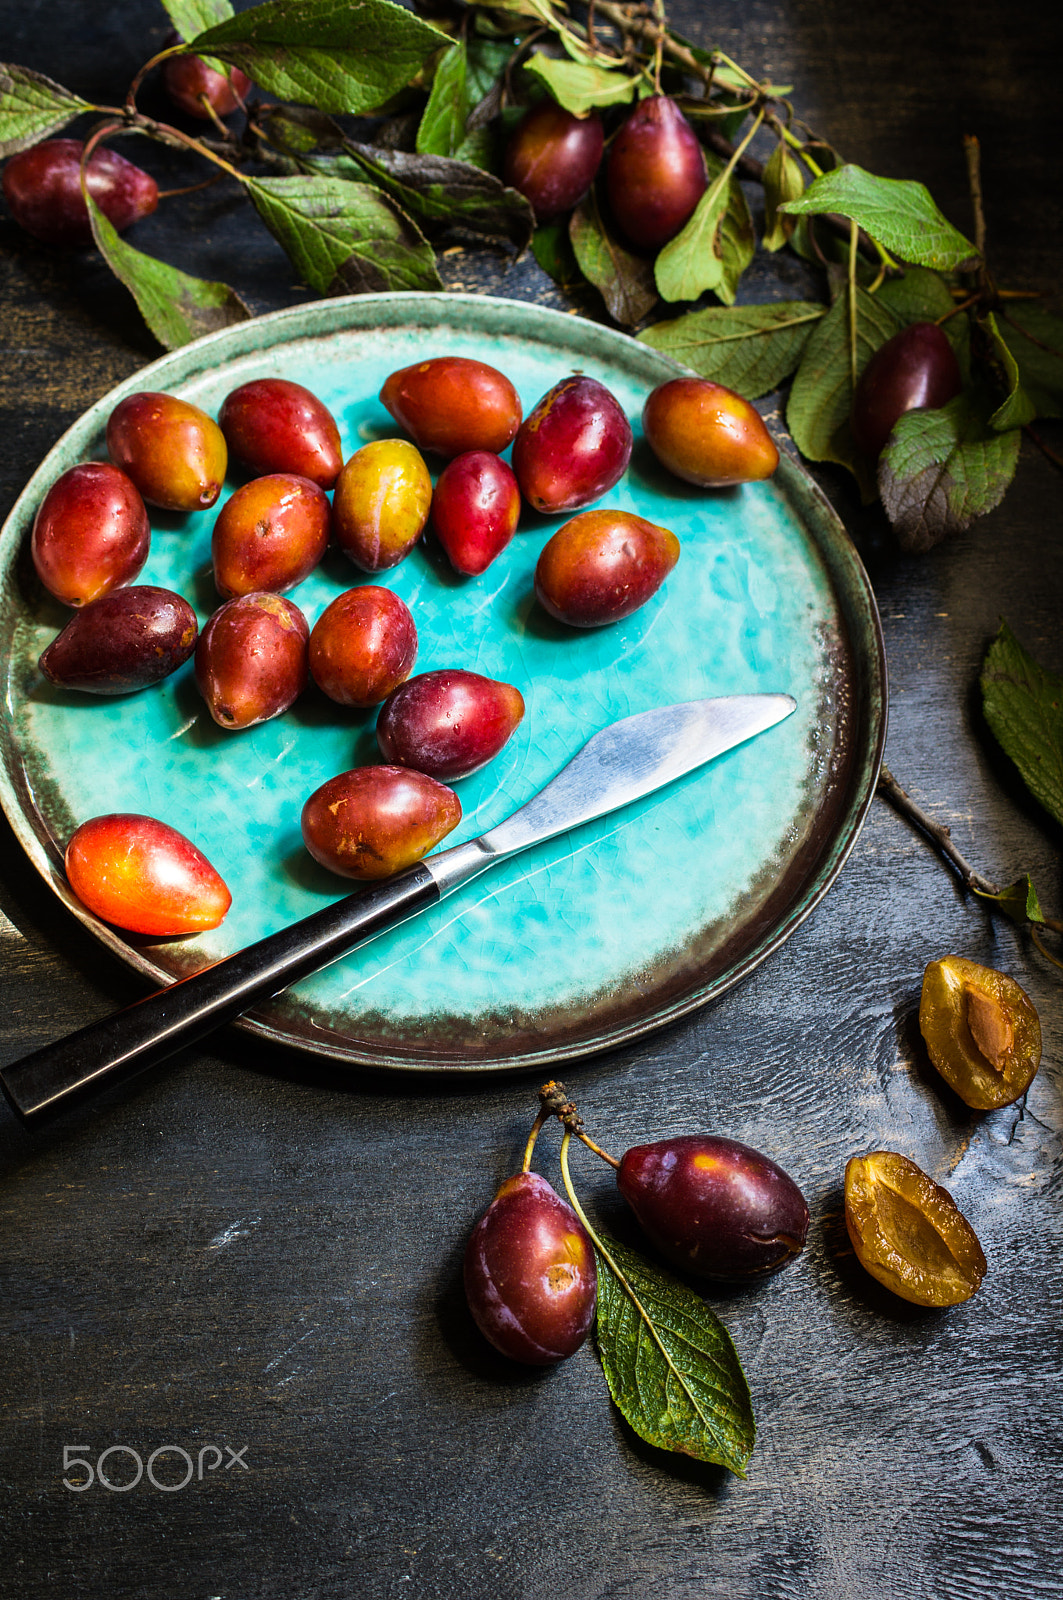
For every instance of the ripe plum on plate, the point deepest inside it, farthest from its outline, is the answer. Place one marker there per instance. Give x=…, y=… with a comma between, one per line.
x=448, y=723
x=372, y=821
x=91, y=533
x=573, y=447
x=125, y=640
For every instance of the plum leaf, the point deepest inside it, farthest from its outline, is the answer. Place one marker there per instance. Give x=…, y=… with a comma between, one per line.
x=942, y=468
x=896, y=212
x=625, y=281
x=750, y=348
x=1023, y=705
x=32, y=107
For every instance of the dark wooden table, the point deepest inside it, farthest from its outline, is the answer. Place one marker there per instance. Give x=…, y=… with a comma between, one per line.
x=245, y=1251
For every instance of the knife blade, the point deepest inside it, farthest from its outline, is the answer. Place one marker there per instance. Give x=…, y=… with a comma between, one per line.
x=621, y=763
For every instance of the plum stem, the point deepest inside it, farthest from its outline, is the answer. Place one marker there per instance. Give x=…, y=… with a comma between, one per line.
x=536, y=1129
x=554, y=1102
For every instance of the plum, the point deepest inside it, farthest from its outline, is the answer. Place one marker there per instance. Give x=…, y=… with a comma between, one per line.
x=530, y=1275
x=362, y=646
x=381, y=503
x=270, y=535
x=251, y=659
x=573, y=447
x=274, y=425
x=982, y=1031
x=142, y=875
x=91, y=533
x=196, y=88
x=448, y=723
x=373, y=821
x=707, y=434
x=909, y=1233
x=42, y=186
x=450, y=404
x=655, y=173
x=916, y=368
x=475, y=510
x=174, y=453
x=125, y=640
x=602, y=566
x=552, y=157
x=714, y=1207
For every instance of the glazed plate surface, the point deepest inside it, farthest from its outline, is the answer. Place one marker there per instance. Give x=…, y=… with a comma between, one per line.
x=590, y=939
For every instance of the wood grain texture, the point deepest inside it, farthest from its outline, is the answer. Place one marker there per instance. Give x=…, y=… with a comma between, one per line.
x=246, y=1248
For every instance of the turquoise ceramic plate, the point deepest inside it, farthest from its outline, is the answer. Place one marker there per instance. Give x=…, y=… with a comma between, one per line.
x=591, y=939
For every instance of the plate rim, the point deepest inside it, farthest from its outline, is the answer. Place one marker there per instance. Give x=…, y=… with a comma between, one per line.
x=848, y=575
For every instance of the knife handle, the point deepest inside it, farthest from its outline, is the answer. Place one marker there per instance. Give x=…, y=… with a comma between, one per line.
x=151, y=1029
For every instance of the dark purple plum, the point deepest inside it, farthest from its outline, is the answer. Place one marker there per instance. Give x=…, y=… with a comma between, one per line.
x=552, y=158
x=448, y=723
x=916, y=369
x=42, y=186
x=655, y=173
x=530, y=1275
x=126, y=640
x=193, y=85
x=714, y=1207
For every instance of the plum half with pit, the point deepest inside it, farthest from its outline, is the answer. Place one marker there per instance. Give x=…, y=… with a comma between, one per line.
x=982, y=1031
x=530, y=1276
x=715, y=1207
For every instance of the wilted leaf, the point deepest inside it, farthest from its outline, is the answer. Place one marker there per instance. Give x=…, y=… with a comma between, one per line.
x=338, y=55
x=1016, y=408
x=1023, y=705
x=579, y=86
x=751, y=349
x=784, y=180
x=1035, y=338
x=817, y=413
x=941, y=469
x=670, y=1364
x=1019, y=901
x=625, y=281
x=446, y=194
x=344, y=237
x=32, y=107
x=176, y=307
x=896, y=211
x=442, y=126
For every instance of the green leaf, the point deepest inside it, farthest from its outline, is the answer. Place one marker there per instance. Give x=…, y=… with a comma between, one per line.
x=784, y=180
x=344, y=237
x=941, y=469
x=751, y=349
x=447, y=194
x=625, y=281
x=32, y=107
x=579, y=86
x=193, y=17
x=1035, y=338
x=337, y=55
x=670, y=1364
x=485, y=62
x=817, y=413
x=896, y=212
x=552, y=249
x=176, y=307
x=1019, y=902
x=1016, y=409
x=442, y=127
x=1023, y=705
x=714, y=248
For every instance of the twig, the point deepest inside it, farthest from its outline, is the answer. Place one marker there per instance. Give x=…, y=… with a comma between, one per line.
x=936, y=832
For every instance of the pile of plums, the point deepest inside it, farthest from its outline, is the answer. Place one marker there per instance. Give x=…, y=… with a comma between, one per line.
x=257, y=652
